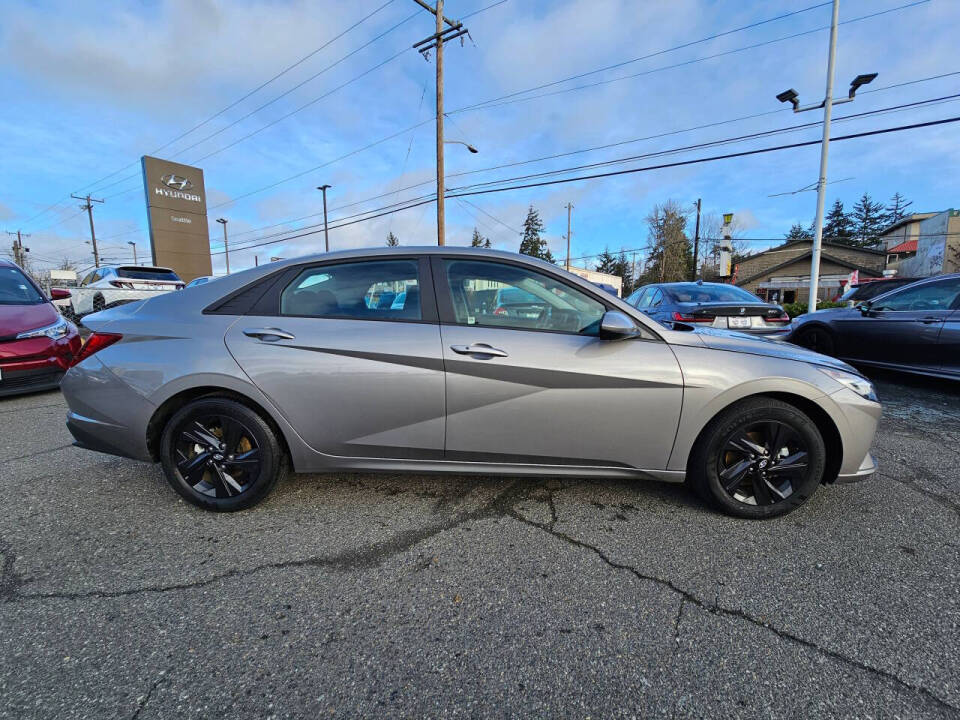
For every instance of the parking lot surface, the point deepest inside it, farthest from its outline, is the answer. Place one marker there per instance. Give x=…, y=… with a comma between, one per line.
x=427, y=596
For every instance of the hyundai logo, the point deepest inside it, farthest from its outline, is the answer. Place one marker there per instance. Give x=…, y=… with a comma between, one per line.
x=176, y=181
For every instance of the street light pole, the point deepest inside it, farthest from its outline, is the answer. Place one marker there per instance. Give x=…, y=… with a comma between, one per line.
x=88, y=206
x=326, y=234
x=132, y=244
x=791, y=97
x=569, y=223
x=696, y=244
x=226, y=248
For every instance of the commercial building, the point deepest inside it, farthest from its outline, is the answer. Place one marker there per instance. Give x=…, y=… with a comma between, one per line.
x=782, y=274
x=924, y=244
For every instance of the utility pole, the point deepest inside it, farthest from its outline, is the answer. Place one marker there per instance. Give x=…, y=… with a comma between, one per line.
x=696, y=244
x=326, y=234
x=226, y=248
x=569, y=218
x=454, y=30
x=132, y=244
x=88, y=206
x=18, y=250
x=791, y=96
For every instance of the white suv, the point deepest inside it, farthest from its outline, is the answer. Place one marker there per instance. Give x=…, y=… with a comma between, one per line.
x=111, y=285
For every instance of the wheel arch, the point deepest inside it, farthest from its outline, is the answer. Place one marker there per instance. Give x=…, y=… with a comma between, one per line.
x=168, y=407
x=829, y=431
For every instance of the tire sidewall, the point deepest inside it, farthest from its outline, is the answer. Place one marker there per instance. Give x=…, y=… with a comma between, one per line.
x=270, y=452
x=748, y=414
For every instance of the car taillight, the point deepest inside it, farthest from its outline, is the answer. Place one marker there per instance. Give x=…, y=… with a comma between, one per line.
x=94, y=344
x=783, y=318
x=690, y=318
x=500, y=311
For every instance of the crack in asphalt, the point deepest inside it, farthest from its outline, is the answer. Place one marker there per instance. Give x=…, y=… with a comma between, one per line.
x=689, y=597
x=146, y=698
x=360, y=559
x=501, y=506
x=40, y=452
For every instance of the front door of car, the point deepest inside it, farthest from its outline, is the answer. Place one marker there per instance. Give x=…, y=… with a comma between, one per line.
x=948, y=345
x=543, y=388
x=355, y=375
x=902, y=327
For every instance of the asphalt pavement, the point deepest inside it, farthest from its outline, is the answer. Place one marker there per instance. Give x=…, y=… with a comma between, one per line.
x=389, y=595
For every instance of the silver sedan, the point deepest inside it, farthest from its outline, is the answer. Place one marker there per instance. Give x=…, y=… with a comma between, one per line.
x=318, y=365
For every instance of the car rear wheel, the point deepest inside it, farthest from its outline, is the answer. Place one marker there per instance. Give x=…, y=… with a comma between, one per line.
x=817, y=339
x=220, y=455
x=758, y=459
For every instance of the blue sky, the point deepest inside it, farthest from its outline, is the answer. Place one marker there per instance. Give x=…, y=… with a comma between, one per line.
x=86, y=94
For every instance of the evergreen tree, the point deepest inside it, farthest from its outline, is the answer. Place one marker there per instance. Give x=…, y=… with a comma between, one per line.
x=392, y=240
x=868, y=219
x=837, y=226
x=606, y=261
x=671, y=254
x=624, y=268
x=896, y=209
x=799, y=232
x=533, y=243
x=479, y=241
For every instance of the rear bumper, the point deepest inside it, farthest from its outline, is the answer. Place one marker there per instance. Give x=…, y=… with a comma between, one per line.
x=867, y=468
x=91, y=434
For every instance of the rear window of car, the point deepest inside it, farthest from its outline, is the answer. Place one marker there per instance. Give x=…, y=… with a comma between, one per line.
x=145, y=273
x=872, y=290
x=710, y=293
x=15, y=289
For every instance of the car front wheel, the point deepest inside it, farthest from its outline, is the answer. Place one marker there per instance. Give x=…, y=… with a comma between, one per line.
x=817, y=339
x=758, y=459
x=221, y=455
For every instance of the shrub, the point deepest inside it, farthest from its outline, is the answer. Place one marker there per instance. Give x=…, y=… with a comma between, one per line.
x=798, y=308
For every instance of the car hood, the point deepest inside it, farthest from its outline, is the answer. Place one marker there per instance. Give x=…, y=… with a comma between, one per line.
x=16, y=319
x=741, y=342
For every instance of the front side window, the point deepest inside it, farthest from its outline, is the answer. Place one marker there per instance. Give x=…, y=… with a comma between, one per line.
x=15, y=289
x=501, y=295
x=372, y=290
x=931, y=296
x=657, y=298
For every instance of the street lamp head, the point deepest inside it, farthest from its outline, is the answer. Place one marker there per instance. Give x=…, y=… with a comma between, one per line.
x=790, y=96
x=859, y=80
x=472, y=149
x=324, y=187
x=222, y=221
x=130, y=242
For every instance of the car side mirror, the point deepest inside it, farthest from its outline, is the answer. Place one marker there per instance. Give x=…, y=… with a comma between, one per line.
x=614, y=325
x=59, y=294
x=864, y=307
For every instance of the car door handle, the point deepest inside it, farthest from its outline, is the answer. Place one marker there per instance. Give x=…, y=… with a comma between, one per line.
x=929, y=320
x=267, y=333
x=479, y=349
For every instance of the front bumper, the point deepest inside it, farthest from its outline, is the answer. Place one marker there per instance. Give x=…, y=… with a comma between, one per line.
x=867, y=468
x=17, y=382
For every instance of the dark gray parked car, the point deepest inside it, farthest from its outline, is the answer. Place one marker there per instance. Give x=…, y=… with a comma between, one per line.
x=915, y=329
x=295, y=364
x=707, y=304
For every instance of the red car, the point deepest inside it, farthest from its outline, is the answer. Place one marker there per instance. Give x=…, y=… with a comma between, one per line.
x=37, y=344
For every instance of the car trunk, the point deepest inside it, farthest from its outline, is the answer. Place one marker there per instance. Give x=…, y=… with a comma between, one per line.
x=756, y=317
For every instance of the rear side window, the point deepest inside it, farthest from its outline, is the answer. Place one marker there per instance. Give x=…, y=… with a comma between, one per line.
x=371, y=290
x=139, y=273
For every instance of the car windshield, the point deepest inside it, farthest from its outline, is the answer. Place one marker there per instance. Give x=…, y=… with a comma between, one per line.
x=147, y=273
x=692, y=292
x=515, y=296
x=15, y=289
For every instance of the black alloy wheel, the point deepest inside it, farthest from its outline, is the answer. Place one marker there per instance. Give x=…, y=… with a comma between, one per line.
x=217, y=455
x=762, y=463
x=759, y=458
x=220, y=454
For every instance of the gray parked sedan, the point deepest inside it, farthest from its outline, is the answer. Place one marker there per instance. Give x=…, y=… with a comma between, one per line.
x=299, y=364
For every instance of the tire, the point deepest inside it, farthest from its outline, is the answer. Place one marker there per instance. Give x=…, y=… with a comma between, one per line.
x=754, y=480
x=235, y=474
x=817, y=339
x=98, y=303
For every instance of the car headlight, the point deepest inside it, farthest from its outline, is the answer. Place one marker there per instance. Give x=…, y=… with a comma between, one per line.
x=59, y=329
x=860, y=385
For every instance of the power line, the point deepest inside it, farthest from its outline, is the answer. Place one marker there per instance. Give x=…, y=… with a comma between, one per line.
x=228, y=107
x=633, y=158
x=511, y=99
x=745, y=153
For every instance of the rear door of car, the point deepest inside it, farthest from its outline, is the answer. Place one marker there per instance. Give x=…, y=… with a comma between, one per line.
x=352, y=377
x=902, y=327
x=549, y=390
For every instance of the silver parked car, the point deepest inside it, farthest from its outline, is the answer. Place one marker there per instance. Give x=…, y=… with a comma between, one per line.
x=299, y=364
